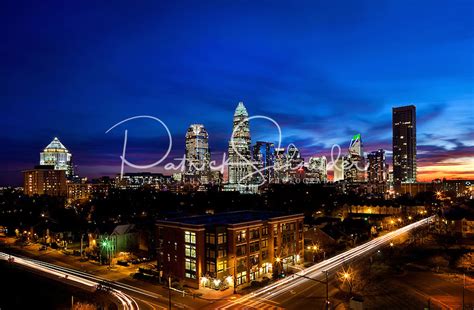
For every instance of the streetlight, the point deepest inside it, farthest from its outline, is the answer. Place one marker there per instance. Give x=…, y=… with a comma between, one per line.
x=347, y=276
x=107, y=245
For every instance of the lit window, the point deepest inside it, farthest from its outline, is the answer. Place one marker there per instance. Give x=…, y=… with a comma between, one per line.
x=190, y=237
x=189, y=251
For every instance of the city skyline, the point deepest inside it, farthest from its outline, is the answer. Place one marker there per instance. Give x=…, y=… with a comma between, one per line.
x=79, y=85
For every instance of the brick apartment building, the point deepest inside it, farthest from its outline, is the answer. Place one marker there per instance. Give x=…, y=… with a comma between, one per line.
x=228, y=248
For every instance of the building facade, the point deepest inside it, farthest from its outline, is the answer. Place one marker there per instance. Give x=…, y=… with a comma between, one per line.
x=57, y=155
x=264, y=159
x=198, y=156
x=135, y=180
x=339, y=168
x=44, y=180
x=240, y=167
x=317, y=169
x=355, y=170
x=404, y=144
x=377, y=171
x=229, y=249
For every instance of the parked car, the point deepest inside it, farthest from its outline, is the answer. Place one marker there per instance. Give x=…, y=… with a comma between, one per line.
x=122, y=263
x=67, y=252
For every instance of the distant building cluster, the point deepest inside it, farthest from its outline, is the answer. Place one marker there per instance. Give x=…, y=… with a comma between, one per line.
x=251, y=167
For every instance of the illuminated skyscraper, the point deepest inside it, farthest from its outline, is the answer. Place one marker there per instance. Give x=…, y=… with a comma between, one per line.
x=355, y=165
x=264, y=160
x=355, y=148
x=240, y=167
x=56, y=154
x=378, y=170
x=404, y=144
x=280, y=169
x=339, y=169
x=197, y=154
x=317, y=167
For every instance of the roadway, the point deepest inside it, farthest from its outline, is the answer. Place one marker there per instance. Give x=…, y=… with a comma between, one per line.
x=296, y=291
x=293, y=292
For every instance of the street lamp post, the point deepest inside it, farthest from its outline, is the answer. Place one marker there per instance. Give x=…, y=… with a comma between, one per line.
x=463, y=288
x=169, y=292
x=82, y=241
x=327, y=290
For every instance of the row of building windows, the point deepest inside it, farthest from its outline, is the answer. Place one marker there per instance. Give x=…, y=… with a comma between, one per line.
x=211, y=253
x=211, y=238
x=254, y=247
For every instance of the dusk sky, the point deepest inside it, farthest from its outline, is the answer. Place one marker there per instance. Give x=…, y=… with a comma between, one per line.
x=323, y=70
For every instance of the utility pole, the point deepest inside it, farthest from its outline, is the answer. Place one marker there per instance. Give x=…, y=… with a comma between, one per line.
x=463, y=288
x=327, y=290
x=82, y=241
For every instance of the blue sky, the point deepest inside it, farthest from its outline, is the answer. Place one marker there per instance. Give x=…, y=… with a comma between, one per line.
x=324, y=70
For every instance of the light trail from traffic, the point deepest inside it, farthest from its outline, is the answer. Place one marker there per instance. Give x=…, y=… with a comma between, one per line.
x=65, y=274
x=316, y=271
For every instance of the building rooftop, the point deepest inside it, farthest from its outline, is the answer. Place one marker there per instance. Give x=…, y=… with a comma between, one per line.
x=55, y=146
x=229, y=218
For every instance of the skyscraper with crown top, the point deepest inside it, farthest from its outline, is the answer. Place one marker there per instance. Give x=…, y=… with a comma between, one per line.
x=240, y=167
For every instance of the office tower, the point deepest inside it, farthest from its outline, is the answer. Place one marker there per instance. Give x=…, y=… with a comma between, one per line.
x=294, y=157
x=404, y=144
x=240, y=167
x=264, y=160
x=281, y=166
x=56, y=154
x=339, y=169
x=355, y=166
x=198, y=156
x=355, y=147
x=378, y=170
x=317, y=167
x=44, y=180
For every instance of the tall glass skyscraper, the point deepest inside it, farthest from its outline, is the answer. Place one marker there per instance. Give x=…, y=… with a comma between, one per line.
x=57, y=155
x=317, y=167
x=264, y=159
x=378, y=169
x=404, y=144
x=355, y=171
x=198, y=155
x=240, y=167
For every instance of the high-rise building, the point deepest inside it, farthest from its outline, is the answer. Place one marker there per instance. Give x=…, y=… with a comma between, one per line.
x=44, y=180
x=240, y=167
x=378, y=170
x=354, y=170
x=280, y=168
x=339, y=169
x=57, y=155
x=317, y=169
x=198, y=156
x=264, y=160
x=404, y=144
x=355, y=148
